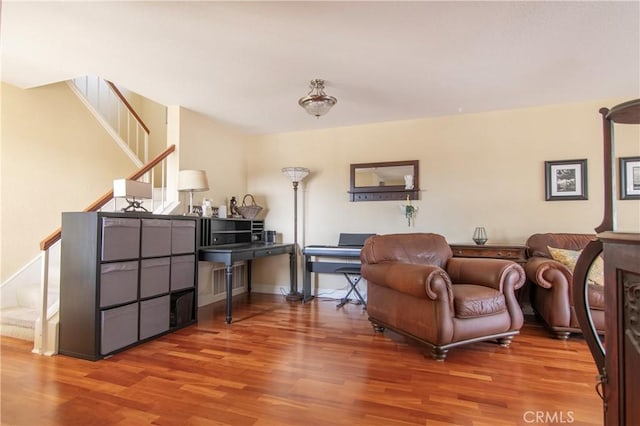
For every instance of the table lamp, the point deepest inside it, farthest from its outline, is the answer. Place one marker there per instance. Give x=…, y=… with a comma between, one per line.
x=132, y=191
x=192, y=181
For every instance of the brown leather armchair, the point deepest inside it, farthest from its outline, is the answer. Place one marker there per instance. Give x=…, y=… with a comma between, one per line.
x=416, y=288
x=552, y=289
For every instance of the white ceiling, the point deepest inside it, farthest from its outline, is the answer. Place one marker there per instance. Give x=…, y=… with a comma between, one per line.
x=246, y=63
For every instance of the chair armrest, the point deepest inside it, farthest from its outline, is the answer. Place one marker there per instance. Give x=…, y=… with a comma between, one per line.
x=423, y=281
x=499, y=274
x=547, y=273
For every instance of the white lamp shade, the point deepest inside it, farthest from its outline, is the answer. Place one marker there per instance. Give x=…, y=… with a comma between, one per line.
x=192, y=180
x=296, y=174
x=131, y=188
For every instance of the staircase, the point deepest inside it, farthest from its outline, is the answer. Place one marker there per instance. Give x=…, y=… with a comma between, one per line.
x=33, y=292
x=21, y=297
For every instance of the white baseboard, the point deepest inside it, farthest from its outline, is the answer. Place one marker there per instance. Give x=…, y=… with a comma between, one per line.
x=332, y=293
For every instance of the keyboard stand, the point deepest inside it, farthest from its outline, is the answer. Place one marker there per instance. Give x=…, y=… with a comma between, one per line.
x=353, y=283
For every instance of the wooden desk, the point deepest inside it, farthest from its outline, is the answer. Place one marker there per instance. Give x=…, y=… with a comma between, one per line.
x=229, y=253
x=517, y=253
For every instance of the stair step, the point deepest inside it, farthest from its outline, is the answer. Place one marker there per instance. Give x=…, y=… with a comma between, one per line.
x=28, y=295
x=18, y=322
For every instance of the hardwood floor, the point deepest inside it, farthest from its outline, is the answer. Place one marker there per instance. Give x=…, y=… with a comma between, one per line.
x=284, y=363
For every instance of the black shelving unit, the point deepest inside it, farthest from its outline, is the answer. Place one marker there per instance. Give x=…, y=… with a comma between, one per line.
x=125, y=278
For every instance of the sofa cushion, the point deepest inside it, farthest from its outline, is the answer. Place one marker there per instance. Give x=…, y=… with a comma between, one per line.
x=569, y=258
x=472, y=301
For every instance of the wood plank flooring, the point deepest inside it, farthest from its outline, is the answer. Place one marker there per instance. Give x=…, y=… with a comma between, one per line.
x=284, y=363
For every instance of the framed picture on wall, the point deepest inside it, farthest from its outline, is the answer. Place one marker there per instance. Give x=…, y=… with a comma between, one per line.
x=629, y=178
x=566, y=180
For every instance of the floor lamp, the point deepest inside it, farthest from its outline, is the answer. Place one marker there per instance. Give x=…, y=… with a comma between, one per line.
x=296, y=174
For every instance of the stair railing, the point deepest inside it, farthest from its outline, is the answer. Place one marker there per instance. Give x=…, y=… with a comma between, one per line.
x=42, y=345
x=116, y=114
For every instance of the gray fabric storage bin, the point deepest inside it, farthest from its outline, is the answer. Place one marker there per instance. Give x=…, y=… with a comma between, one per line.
x=119, y=328
x=156, y=238
x=182, y=272
x=154, y=276
x=154, y=316
x=120, y=238
x=118, y=283
x=183, y=236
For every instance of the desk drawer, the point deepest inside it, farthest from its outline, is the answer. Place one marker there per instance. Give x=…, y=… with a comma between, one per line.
x=269, y=251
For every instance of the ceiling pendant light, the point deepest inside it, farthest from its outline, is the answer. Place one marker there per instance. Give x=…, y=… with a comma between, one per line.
x=317, y=102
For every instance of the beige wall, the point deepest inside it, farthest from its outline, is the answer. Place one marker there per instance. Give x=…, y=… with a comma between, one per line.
x=218, y=150
x=475, y=170
x=55, y=158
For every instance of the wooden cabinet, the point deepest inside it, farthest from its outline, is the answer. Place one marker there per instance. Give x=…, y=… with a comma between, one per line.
x=124, y=278
x=622, y=328
x=517, y=253
x=618, y=360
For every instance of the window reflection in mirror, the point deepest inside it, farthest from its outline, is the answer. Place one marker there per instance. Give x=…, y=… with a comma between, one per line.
x=382, y=176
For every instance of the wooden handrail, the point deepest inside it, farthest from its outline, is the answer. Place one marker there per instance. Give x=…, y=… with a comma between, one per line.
x=46, y=243
x=128, y=105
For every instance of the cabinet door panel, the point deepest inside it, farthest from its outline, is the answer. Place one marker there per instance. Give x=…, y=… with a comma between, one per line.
x=183, y=236
x=154, y=316
x=156, y=238
x=182, y=272
x=119, y=328
x=120, y=238
x=118, y=283
x=154, y=276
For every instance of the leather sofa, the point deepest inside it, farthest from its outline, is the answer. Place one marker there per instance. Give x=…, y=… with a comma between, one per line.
x=416, y=288
x=552, y=288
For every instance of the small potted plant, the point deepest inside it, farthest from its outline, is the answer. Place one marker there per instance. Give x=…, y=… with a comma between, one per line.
x=409, y=211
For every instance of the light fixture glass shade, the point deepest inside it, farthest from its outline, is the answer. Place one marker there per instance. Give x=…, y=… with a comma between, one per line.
x=296, y=174
x=317, y=103
x=192, y=180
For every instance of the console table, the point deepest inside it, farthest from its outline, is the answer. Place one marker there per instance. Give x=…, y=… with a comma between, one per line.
x=229, y=253
x=517, y=253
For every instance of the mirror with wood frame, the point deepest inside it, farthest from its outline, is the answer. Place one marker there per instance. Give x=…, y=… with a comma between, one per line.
x=389, y=180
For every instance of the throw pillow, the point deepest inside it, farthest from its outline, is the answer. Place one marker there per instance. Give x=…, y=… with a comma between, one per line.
x=569, y=258
x=596, y=272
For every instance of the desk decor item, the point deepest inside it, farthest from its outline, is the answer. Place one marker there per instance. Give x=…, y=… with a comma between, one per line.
x=566, y=180
x=480, y=235
x=249, y=211
x=630, y=178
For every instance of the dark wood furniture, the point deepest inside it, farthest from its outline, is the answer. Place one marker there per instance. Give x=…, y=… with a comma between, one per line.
x=124, y=278
x=622, y=327
x=230, y=253
x=618, y=359
x=232, y=240
x=517, y=253
x=383, y=181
